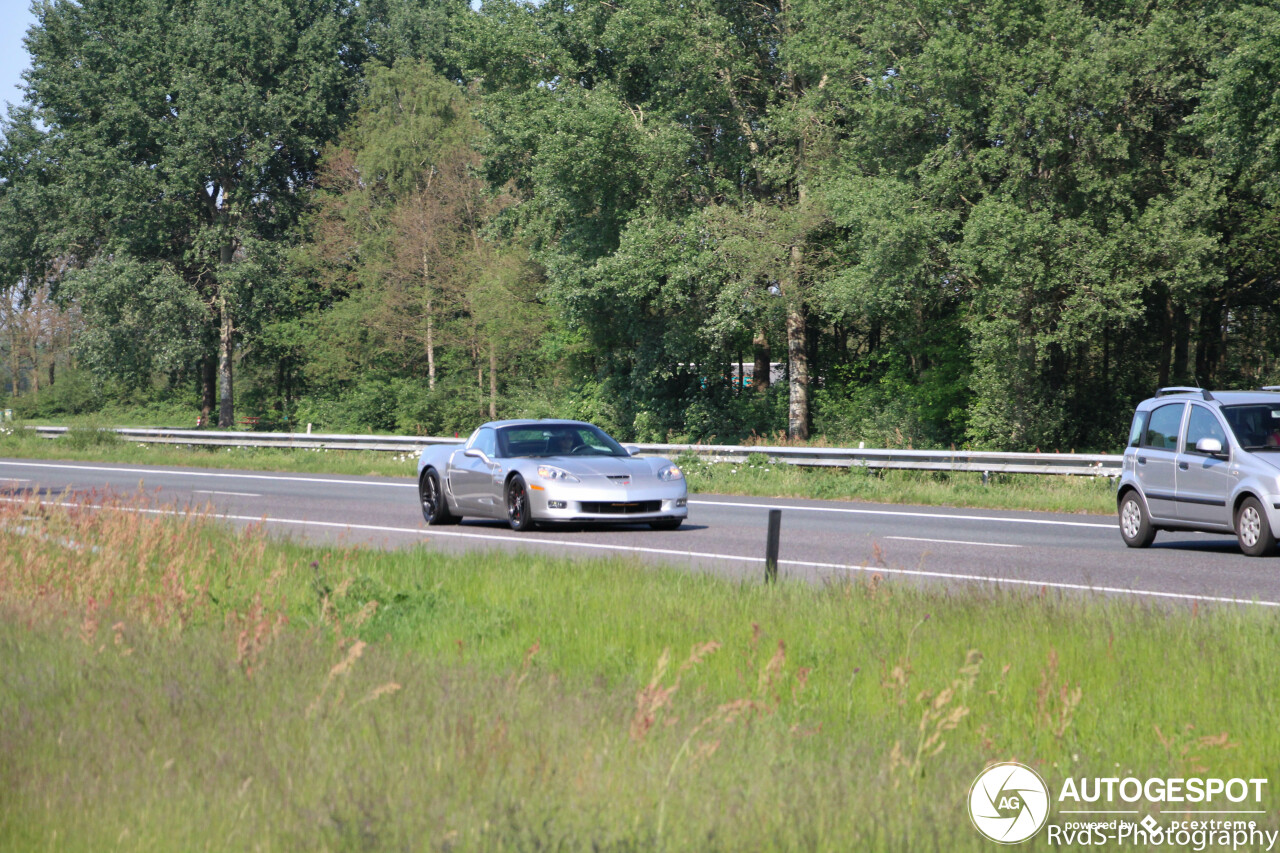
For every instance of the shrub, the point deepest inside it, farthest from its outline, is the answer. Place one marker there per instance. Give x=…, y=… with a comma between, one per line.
x=91, y=433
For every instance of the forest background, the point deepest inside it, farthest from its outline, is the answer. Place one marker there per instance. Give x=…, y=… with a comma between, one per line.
x=995, y=223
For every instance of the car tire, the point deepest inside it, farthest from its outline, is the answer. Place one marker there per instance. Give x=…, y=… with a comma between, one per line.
x=666, y=523
x=435, y=506
x=1253, y=530
x=519, y=513
x=1135, y=524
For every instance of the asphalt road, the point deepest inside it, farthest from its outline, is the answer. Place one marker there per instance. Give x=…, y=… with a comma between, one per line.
x=820, y=539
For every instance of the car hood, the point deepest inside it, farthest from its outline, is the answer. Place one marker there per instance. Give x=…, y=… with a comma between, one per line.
x=1271, y=457
x=607, y=466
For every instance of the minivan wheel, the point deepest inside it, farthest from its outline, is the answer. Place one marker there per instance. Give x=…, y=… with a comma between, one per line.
x=1253, y=530
x=1135, y=525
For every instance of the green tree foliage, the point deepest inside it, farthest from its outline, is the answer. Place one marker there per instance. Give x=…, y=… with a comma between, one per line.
x=994, y=222
x=185, y=130
x=398, y=254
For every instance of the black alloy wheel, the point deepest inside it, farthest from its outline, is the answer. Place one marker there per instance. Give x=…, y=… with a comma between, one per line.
x=435, y=507
x=519, y=515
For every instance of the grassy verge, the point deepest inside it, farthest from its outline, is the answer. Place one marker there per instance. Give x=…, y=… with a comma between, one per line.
x=167, y=684
x=754, y=477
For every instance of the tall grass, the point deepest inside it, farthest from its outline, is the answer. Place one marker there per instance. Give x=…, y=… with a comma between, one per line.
x=167, y=683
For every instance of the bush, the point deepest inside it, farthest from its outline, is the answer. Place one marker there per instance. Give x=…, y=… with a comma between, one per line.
x=13, y=433
x=92, y=433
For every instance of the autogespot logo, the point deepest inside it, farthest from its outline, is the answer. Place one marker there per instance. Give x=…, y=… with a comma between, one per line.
x=1009, y=802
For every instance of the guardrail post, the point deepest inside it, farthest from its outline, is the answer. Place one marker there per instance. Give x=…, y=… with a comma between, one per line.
x=771, y=546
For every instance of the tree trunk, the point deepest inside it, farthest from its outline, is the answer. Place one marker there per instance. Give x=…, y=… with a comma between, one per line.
x=208, y=387
x=431, y=341
x=35, y=376
x=797, y=352
x=226, y=402
x=1207, y=342
x=493, y=383
x=1181, y=341
x=431, y=351
x=1166, y=344
x=226, y=407
x=798, y=373
x=13, y=347
x=760, y=373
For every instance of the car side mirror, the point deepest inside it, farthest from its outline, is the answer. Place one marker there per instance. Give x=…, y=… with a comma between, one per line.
x=631, y=449
x=476, y=453
x=1211, y=446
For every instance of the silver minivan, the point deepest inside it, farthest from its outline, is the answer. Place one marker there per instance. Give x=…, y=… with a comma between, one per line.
x=1201, y=460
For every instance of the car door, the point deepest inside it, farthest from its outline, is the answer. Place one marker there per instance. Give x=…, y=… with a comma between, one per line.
x=1204, y=481
x=470, y=477
x=1157, y=459
x=488, y=493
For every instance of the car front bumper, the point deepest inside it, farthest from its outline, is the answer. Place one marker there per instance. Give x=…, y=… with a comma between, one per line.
x=580, y=502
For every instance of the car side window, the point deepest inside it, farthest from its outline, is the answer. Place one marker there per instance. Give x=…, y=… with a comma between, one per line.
x=1203, y=424
x=1138, y=428
x=487, y=442
x=1163, y=427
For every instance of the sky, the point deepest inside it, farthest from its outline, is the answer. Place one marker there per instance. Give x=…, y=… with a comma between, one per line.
x=15, y=18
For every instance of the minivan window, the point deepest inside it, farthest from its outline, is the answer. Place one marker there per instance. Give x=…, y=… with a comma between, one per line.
x=1139, y=425
x=1162, y=429
x=1203, y=424
x=1257, y=427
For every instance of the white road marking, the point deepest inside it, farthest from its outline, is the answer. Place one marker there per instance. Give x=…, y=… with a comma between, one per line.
x=560, y=543
x=232, y=494
x=957, y=517
x=284, y=477
x=951, y=541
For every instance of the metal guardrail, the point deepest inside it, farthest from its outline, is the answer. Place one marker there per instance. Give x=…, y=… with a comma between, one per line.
x=983, y=462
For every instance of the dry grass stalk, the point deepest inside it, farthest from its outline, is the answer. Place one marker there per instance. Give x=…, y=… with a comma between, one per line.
x=939, y=714
x=339, y=670
x=654, y=696
x=1055, y=703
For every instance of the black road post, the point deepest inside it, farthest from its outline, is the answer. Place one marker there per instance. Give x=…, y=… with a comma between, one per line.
x=771, y=546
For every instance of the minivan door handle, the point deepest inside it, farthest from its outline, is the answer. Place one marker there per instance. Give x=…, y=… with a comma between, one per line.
x=1142, y=460
x=1183, y=465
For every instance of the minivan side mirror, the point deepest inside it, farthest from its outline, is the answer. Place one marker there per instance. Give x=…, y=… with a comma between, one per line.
x=1210, y=446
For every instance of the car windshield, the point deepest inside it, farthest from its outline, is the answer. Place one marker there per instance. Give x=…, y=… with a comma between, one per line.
x=1256, y=427
x=557, y=440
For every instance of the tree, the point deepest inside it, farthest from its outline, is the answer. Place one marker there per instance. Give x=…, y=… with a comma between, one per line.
x=397, y=239
x=622, y=117
x=184, y=131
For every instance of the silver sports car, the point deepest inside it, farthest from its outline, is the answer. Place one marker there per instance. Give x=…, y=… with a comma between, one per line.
x=534, y=472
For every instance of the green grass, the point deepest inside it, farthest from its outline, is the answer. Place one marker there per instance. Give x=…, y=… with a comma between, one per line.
x=753, y=477
x=170, y=684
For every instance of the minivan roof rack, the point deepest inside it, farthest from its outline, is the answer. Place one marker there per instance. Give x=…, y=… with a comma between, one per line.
x=1270, y=388
x=1187, y=389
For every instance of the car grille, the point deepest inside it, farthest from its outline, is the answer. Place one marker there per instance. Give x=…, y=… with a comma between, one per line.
x=620, y=507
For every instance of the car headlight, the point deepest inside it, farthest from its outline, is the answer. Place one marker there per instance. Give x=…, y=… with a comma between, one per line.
x=551, y=472
x=671, y=472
